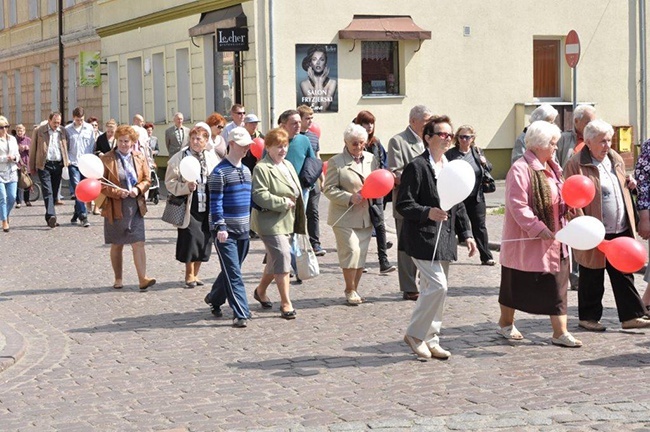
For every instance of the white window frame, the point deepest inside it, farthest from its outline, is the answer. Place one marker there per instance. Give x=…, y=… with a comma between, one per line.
x=399, y=71
x=561, y=71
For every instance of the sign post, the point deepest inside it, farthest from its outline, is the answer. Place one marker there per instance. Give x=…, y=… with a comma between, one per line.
x=572, y=56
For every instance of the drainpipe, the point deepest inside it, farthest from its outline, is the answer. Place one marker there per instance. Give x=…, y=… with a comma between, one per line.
x=643, y=72
x=271, y=66
x=61, y=59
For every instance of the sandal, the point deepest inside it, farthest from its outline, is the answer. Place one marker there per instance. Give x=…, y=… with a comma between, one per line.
x=353, y=298
x=510, y=332
x=567, y=340
x=288, y=315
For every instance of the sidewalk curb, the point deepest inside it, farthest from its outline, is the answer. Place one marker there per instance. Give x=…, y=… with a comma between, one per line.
x=14, y=349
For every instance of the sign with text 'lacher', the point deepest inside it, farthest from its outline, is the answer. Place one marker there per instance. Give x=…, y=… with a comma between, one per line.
x=232, y=39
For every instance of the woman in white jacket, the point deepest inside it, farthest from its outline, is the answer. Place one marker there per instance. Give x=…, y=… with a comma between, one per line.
x=9, y=157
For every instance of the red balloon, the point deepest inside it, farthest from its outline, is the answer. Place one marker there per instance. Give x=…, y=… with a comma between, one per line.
x=624, y=254
x=378, y=184
x=315, y=129
x=578, y=191
x=257, y=148
x=325, y=168
x=88, y=189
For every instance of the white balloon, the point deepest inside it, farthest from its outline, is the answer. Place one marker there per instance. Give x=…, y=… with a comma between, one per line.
x=190, y=168
x=65, y=174
x=582, y=233
x=91, y=166
x=455, y=183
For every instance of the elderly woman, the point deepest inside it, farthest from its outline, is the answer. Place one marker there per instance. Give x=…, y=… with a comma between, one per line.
x=418, y=202
x=124, y=207
x=613, y=205
x=106, y=141
x=534, y=266
x=278, y=212
x=217, y=143
x=349, y=214
x=194, y=241
x=24, y=142
x=465, y=148
x=544, y=112
x=9, y=159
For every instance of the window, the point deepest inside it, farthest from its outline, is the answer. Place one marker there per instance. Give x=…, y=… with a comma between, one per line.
x=5, y=93
x=37, y=95
x=34, y=11
x=54, y=87
x=114, y=90
x=2, y=16
x=379, y=68
x=69, y=3
x=12, y=13
x=546, y=68
x=72, y=85
x=134, y=77
x=159, y=88
x=183, y=96
x=18, y=97
x=51, y=6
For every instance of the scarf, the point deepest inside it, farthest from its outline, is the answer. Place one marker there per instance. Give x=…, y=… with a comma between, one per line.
x=542, y=202
x=130, y=176
x=201, y=194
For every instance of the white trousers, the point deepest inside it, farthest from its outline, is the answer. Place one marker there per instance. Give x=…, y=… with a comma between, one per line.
x=426, y=320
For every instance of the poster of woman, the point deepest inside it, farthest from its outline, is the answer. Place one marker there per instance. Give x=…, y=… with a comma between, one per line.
x=316, y=76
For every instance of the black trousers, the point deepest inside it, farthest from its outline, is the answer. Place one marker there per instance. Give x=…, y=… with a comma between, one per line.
x=380, y=234
x=50, y=178
x=312, y=217
x=591, y=288
x=476, y=213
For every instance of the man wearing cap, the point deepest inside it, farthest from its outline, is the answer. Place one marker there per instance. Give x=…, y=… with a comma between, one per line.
x=250, y=123
x=230, y=197
x=177, y=136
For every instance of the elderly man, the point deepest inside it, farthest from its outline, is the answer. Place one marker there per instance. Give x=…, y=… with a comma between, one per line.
x=49, y=154
x=237, y=115
x=613, y=205
x=81, y=141
x=402, y=149
x=177, y=136
x=571, y=142
x=544, y=112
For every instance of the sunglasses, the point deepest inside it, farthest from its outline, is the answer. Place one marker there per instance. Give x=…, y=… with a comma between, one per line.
x=220, y=127
x=5, y=127
x=241, y=113
x=444, y=135
x=465, y=137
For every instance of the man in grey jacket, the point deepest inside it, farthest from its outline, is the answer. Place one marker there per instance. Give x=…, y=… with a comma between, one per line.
x=569, y=141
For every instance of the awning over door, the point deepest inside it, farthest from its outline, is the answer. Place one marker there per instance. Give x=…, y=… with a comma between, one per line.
x=223, y=18
x=383, y=28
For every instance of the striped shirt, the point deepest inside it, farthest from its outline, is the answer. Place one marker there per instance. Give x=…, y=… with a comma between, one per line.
x=230, y=199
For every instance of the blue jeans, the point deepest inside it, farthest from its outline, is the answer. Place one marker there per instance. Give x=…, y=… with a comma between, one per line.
x=50, y=178
x=79, y=206
x=230, y=284
x=7, y=198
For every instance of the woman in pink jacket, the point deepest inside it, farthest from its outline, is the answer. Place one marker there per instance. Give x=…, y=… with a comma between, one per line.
x=534, y=266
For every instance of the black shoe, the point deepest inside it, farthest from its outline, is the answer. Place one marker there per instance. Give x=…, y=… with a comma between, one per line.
x=411, y=296
x=74, y=219
x=84, y=222
x=265, y=304
x=389, y=244
x=51, y=222
x=387, y=268
x=289, y=315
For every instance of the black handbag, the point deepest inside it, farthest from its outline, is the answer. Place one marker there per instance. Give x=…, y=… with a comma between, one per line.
x=175, y=208
x=311, y=170
x=487, y=183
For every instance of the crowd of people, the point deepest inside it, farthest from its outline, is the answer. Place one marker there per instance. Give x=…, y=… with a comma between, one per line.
x=237, y=195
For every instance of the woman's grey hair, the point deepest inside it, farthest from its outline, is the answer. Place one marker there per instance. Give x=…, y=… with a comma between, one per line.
x=597, y=127
x=355, y=131
x=540, y=134
x=418, y=112
x=544, y=112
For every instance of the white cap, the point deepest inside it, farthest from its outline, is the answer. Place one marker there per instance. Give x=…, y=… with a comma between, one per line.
x=251, y=118
x=240, y=136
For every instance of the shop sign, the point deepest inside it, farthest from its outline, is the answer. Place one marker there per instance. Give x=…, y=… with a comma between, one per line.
x=317, y=76
x=232, y=39
x=89, y=65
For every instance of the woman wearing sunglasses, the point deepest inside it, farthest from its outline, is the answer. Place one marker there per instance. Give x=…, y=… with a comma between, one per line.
x=9, y=158
x=465, y=148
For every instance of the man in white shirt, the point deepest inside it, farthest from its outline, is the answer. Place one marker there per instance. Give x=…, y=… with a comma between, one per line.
x=81, y=141
x=237, y=114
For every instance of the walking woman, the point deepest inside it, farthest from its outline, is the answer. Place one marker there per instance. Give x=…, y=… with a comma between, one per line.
x=24, y=142
x=194, y=241
x=9, y=158
x=464, y=148
x=125, y=205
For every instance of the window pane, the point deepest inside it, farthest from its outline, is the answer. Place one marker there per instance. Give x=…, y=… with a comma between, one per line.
x=546, y=68
x=379, y=68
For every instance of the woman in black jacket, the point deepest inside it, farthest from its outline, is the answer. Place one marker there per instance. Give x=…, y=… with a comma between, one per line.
x=465, y=148
x=419, y=203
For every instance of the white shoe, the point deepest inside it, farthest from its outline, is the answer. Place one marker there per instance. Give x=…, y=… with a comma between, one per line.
x=438, y=352
x=567, y=340
x=634, y=323
x=418, y=347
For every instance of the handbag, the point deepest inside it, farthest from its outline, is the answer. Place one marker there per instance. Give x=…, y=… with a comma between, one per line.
x=175, y=208
x=487, y=183
x=306, y=261
x=311, y=170
x=24, y=180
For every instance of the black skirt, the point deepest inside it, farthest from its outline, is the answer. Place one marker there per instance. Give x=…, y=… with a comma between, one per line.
x=535, y=292
x=194, y=243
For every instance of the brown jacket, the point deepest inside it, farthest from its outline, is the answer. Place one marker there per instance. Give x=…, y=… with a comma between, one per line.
x=112, y=206
x=580, y=163
x=40, y=144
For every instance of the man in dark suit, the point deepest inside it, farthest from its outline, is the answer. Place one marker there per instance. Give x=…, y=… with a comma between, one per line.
x=402, y=149
x=177, y=136
x=48, y=155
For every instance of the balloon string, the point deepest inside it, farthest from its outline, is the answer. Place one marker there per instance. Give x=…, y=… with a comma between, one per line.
x=435, y=248
x=346, y=212
x=520, y=239
x=108, y=183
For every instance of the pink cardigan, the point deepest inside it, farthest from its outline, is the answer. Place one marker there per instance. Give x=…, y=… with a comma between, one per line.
x=520, y=223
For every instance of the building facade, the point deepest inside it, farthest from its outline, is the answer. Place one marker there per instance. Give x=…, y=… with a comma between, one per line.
x=488, y=64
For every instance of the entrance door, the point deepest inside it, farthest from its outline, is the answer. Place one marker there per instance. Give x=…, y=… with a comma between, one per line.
x=227, y=80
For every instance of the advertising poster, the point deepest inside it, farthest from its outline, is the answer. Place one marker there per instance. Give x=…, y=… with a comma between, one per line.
x=90, y=74
x=317, y=76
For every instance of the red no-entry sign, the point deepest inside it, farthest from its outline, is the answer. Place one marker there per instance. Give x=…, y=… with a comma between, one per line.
x=572, y=48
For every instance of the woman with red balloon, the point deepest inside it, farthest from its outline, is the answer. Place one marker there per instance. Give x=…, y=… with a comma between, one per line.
x=534, y=265
x=125, y=204
x=613, y=205
x=347, y=176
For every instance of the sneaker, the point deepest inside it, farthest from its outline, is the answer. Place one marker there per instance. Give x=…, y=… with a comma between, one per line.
x=567, y=340
x=239, y=322
x=387, y=269
x=592, y=325
x=634, y=323
x=84, y=222
x=51, y=222
x=438, y=352
x=489, y=262
x=18, y=205
x=319, y=251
